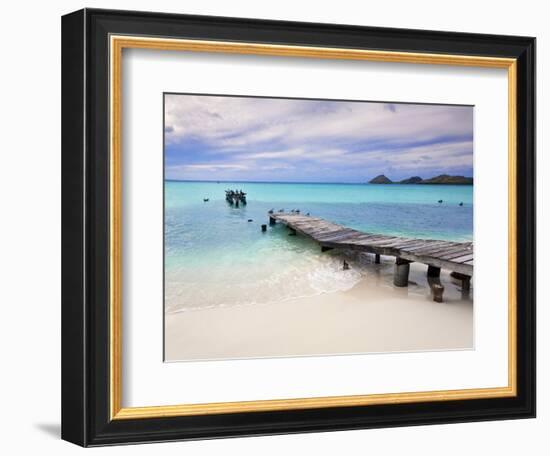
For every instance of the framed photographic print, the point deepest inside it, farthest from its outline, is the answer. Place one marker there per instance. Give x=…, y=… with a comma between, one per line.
x=278, y=227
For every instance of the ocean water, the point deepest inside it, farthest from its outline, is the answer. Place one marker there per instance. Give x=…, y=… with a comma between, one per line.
x=215, y=257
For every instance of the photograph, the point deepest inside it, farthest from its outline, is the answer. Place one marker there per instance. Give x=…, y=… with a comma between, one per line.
x=314, y=227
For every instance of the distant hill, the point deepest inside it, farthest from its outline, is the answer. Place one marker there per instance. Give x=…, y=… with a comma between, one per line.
x=442, y=179
x=412, y=180
x=381, y=179
x=445, y=179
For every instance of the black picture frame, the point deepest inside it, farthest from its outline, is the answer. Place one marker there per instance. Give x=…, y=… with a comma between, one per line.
x=85, y=225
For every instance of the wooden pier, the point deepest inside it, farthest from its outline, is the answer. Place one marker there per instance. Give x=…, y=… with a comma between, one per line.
x=457, y=257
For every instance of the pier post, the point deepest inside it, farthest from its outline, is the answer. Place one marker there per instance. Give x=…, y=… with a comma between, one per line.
x=376, y=259
x=272, y=221
x=264, y=228
x=436, y=287
x=433, y=271
x=437, y=291
x=401, y=272
x=465, y=279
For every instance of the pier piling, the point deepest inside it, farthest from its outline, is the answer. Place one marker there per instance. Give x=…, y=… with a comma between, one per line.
x=465, y=279
x=234, y=197
x=433, y=271
x=437, y=288
x=401, y=272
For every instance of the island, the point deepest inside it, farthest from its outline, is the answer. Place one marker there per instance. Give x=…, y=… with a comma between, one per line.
x=442, y=179
x=381, y=179
x=412, y=180
x=445, y=179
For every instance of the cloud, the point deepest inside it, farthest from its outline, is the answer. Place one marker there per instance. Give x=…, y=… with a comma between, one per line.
x=210, y=167
x=247, y=137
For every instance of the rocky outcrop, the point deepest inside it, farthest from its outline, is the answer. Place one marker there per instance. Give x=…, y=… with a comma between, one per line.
x=442, y=179
x=381, y=179
x=445, y=179
x=412, y=180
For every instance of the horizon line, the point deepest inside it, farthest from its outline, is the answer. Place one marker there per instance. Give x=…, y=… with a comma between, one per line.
x=296, y=182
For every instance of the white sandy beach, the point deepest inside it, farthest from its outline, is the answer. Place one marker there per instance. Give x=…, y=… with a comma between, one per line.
x=373, y=316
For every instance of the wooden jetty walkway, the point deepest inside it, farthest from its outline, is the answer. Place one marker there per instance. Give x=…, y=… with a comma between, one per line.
x=458, y=257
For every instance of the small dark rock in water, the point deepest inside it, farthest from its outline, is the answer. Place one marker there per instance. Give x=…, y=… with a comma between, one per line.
x=346, y=265
x=440, y=201
x=281, y=210
x=206, y=199
x=307, y=214
x=250, y=220
x=270, y=211
x=461, y=204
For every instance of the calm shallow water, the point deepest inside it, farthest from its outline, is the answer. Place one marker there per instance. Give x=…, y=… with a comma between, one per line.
x=215, y=257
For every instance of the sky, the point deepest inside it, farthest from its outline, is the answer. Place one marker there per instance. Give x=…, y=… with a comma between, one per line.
x=287, y=140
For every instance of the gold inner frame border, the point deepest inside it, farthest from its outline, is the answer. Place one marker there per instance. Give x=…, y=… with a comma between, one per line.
x=117, y=44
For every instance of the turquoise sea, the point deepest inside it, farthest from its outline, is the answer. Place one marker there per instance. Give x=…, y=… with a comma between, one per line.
x=215, y=256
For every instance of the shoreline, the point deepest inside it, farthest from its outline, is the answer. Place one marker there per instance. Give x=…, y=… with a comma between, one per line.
x=371, y=317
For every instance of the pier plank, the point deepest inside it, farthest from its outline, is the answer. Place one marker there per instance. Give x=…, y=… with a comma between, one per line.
x=457, y=254
x=464, y=258
x=448, y=250
x=428, y=246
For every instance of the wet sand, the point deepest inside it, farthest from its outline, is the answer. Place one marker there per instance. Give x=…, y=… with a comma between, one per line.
x=372, y=317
